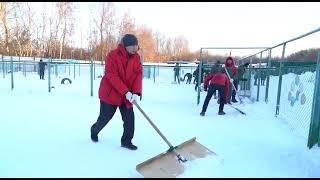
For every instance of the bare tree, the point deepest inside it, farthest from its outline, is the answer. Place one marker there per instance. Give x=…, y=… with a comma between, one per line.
x=168, y=49
x=180, y=47
x=22, y=28
x=103, y=23
x=18, y=29
x=146, y=42
x=42, y=39
x=81, y=44
x=5, y=9
x=65, y=10
x=160, y=45
x=127, y=25
x=30, y=15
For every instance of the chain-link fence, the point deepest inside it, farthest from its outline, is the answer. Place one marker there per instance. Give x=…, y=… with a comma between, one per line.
x=291, y=86
x=296, y=95
x=19, y=72
x=14, y=68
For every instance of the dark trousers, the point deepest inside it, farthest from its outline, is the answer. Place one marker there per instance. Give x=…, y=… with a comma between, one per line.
x=41, y=74
x=106, y=113
x=188, y=81
x=176, y=76
x=196, y=86
x=234, y=91
x=211, y=90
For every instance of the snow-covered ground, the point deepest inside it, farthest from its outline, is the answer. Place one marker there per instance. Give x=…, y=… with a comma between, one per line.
x=48, y=134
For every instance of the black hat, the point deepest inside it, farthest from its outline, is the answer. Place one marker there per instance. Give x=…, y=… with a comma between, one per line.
x=129, y=40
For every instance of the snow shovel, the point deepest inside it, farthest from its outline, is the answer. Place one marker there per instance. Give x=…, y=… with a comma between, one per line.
x=237, y=109
x=170, y=163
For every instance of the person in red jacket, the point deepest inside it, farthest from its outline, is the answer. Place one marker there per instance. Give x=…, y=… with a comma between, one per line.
x=217, y=80
x=119, y=87
x=233, y=73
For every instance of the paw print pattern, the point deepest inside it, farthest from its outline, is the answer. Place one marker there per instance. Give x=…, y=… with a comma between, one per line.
x=296, y=92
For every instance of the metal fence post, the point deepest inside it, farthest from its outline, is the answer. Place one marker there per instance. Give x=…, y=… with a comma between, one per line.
x=280, y=79
x=314, y=129
x=11, y=67
x=74, y=70
x=3, y=70
x=91, y=78
x=24, y=69
x=56, y=69
x=49, y=74
x=69, y=68
x=199, y=78
x=268, y=76
x=19, y=65
x=154, y=73
x=65, y=67
x=34, y=64
x=259, y=77
x=94, y=70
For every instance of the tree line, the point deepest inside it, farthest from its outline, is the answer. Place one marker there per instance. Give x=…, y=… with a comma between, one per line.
x=23, y=33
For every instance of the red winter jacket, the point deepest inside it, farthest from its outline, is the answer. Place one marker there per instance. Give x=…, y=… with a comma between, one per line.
x=123, y=73
x=231, y=66
x=218, y=78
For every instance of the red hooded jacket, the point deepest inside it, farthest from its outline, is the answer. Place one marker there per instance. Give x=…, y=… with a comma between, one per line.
x=218, y=78
x=123, y=73
x=231, y=66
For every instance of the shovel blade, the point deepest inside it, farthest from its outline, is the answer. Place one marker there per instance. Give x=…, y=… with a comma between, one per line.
x=166, y=165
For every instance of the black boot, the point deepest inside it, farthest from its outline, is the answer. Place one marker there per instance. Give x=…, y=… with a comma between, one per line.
x=202, y=113
x=129, y=146
x=233, y=99
x=221, y=113
x=94, y=137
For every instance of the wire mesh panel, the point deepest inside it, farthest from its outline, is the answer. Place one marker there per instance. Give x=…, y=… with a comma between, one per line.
x=296, y=99
x=272, y=86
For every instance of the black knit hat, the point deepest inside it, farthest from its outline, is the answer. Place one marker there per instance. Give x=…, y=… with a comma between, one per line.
x=129, y=40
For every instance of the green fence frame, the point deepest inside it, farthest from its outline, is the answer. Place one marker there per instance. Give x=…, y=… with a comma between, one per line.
x=314, y=131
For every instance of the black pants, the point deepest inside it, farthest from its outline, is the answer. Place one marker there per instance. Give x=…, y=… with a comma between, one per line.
x=176, y=76
x=106, y=113
x=211, y=90
x=196, y=86
x=41, y=74
x=234, y=91
x=188, y=81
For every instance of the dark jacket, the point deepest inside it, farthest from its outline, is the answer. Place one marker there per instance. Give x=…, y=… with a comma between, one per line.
x=42, y=65
x=241, y=71
x=189, y=75
x=176, y=70
x=196, y=72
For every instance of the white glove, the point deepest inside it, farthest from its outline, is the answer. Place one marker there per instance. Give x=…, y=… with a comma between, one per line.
x=129, y=96
x=134, y=98
x=231, y=80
